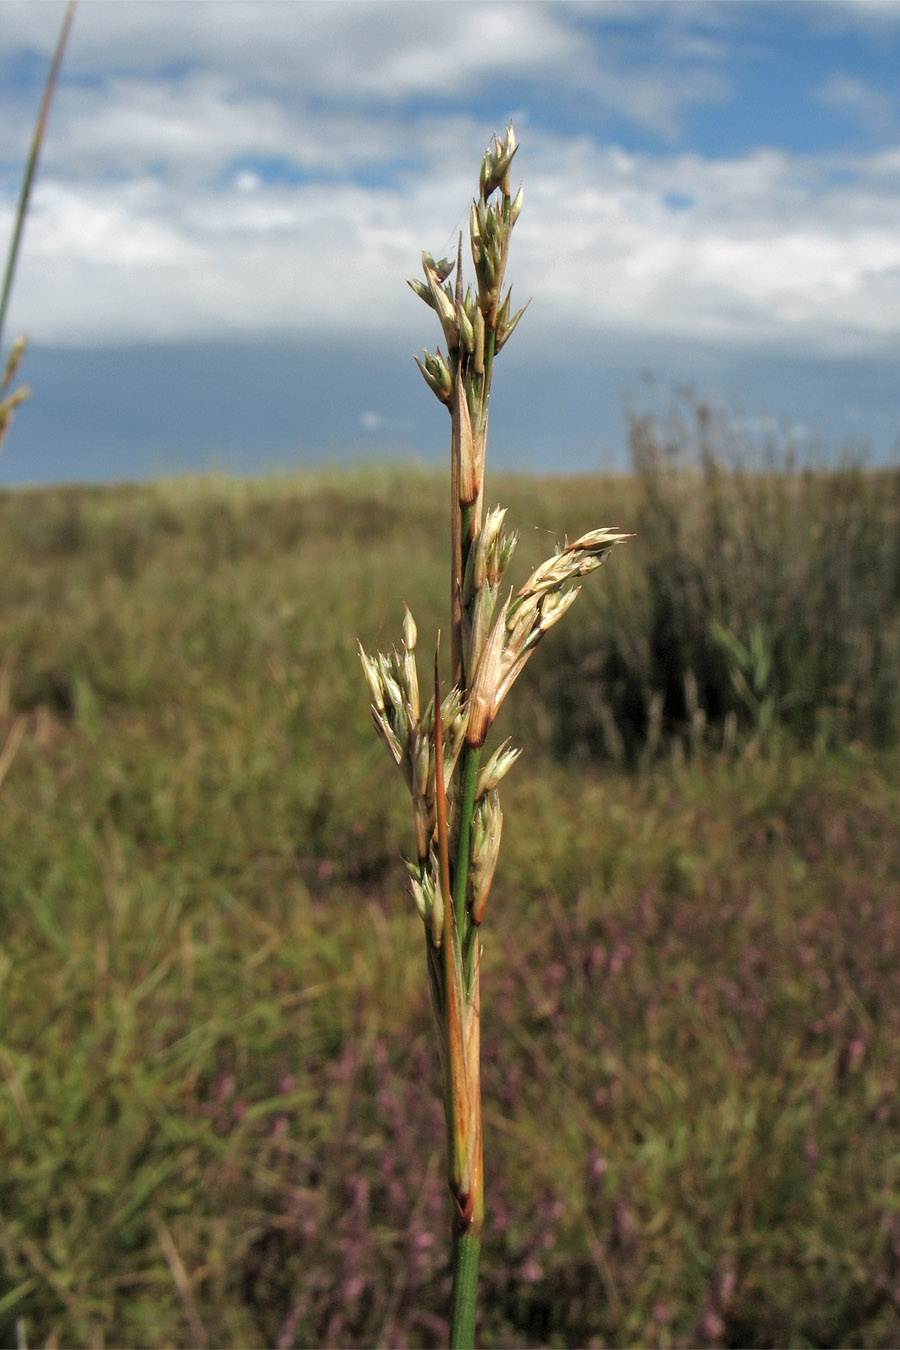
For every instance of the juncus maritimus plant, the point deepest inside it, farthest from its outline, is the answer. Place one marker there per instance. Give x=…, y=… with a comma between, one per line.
x=438, y=745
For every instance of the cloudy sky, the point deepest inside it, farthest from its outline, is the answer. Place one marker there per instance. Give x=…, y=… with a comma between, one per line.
x=231, y=196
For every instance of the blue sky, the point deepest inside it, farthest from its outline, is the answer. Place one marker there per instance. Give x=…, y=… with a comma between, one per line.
x=232, y=194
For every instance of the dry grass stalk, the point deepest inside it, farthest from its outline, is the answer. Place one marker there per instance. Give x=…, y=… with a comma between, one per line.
x=9, y=401
x=456, y=807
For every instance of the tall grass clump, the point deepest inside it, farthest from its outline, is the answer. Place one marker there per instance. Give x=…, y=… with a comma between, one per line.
x=438, y=744
x=761, y=603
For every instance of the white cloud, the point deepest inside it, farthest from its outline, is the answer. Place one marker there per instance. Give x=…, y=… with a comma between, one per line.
x=766, y=250
x=771, y=250
x=146, y=63
x=347, y=49
x=874, y=108
x=158, y=214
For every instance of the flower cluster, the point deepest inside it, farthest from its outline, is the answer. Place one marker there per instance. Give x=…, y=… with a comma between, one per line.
x=489, y=646
x=522, y=622
x=409, y=735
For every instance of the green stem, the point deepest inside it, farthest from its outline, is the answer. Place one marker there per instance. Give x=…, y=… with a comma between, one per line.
x=471, y=757
x=466, y=1257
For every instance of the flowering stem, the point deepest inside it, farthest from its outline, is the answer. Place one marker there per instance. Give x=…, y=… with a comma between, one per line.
x=439, y=750
x=462, y=1076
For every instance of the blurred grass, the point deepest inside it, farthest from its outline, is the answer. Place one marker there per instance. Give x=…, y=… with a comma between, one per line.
x=220, y=1111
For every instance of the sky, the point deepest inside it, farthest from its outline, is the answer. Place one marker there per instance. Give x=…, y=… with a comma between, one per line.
x=231, y=196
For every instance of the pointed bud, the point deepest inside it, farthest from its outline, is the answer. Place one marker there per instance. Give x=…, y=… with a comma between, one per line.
x=506, y=330
x=597, y=541
x=436, y=374
x=503, y=312
x=410, y=632
x=466, y=329
x=487, y=273
x=454, y=720
x=419, y=893
x=475, y=230
x=422, y=290
x=495, y=165
x=422, y=766
x=484, y=177
x=426, y=892
x=470, y=475
x=478, y=564
x=498, y=547
x=393, y=694
x=373, y=679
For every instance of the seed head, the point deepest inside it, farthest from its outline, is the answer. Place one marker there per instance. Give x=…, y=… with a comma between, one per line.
x=443, y=304
x=418, y=886
x=466, y=329
x=16, y=353
x=410, y=632
x=471, y=450
x=427, y=895
x=422, y=290
x=436, y=374
x=487, y=825
x=506, y=327
x=483, y=691
x=495, y=165
x=373, y=679
x=441, y=269
x=497, y=767
x=454, y=719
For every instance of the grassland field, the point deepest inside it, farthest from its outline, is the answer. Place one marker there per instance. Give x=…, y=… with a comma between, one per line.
x=220, y=1116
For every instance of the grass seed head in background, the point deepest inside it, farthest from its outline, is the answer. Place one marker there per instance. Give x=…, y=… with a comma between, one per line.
x=456, y=805
x=11, y=398
x=9, y=401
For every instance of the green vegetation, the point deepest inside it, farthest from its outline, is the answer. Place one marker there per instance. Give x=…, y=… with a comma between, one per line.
x=215, y=1029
